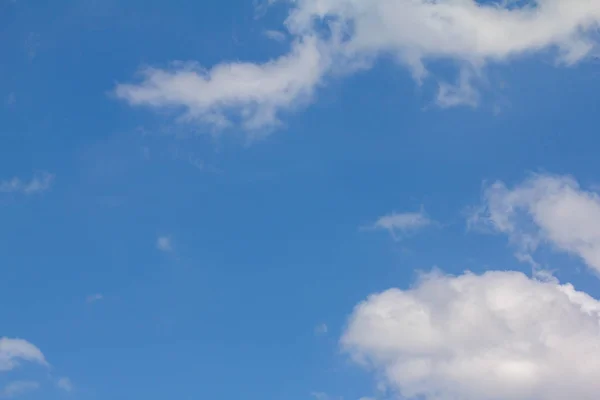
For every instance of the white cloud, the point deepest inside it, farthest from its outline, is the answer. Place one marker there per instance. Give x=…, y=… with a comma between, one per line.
x=402, y=223
x=414, y=32
x=464, y=30
x=276, y=35
x=65, y=384
x=163, y=243
x=17, y=388
x=544, y=209
x=461, y=93
x=12, y=351
x=254, y=94
x=38, y=184
x=500, y=335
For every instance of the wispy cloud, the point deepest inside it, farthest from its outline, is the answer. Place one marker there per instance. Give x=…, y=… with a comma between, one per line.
x=462, y=93
x=164, y=243
x=321, y=329
x=39, y=183
x=11, y=99
x=275, y=35
x=320, y=395
x=65, y=384
x=94, y=298
x=17, y=388
x=399, y=224
x=12, y=351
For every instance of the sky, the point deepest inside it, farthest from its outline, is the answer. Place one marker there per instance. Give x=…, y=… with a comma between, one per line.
x=299, y=200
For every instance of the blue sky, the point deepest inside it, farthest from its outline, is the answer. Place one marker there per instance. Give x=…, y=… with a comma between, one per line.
x=195, y=196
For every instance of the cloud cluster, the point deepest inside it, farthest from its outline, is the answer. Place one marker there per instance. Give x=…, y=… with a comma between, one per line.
x=496, y=336
x=414, y=32
x=499, y=335
x=545, y=209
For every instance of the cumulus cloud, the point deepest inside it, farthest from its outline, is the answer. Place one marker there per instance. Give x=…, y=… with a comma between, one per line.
x=17, y=388
x=38, y=184
x=163, y=243
x=12, y=351
x=402, y=223
x=415, y=32
x=465, y=30
x=500, y=335
x=544, y=209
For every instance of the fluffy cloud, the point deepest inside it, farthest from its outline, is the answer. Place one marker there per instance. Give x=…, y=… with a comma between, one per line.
x=39, y=183
x=12, y=351
x=500, y=335
x=465, y=30
x=470, y=32
x=545, y=209
x=402, y=223
x=253, y=94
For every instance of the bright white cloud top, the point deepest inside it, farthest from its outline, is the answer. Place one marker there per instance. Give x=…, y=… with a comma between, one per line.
x=545, y=209
x=494, y=336
x=412, y=31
